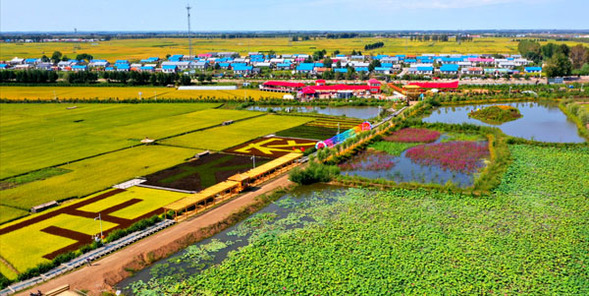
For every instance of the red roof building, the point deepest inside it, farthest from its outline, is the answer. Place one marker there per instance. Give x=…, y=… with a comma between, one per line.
x=320, y=90
x=282, y=86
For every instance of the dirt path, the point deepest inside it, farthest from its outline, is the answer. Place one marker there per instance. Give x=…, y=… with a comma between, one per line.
x=93, y=277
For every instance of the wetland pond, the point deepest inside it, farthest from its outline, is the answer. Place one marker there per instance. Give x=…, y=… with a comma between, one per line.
x=420, y=166
x=361, y=112
x=543, y=122
x=293, y=210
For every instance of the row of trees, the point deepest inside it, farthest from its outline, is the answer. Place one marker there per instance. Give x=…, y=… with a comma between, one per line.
x=28, y=76
x=373, y=45
x=440, y=38
x=146, y=78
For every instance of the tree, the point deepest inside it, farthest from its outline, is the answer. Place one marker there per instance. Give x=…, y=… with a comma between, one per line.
x=548, y=50
x=56, y=57
x=336, y=52
x=530, y=50
x=45, y=59
x=84, y=56
x=185, y=79
x=327, y=62
x=564, y=49
x=201, y=78
x=374, y=64
x=577, y=55
x=558, y=65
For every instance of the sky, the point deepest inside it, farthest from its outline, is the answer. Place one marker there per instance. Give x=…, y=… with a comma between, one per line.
x=255, y=15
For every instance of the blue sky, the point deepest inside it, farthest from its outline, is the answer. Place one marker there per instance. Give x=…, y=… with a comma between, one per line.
x=245, y=15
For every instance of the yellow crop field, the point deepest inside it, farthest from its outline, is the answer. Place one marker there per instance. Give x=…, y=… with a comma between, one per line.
x=136, y=49
x=25, y=247
x=151, y=200
x=47, y=93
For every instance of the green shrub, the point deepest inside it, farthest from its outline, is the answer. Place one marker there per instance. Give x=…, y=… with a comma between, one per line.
x=314, y=173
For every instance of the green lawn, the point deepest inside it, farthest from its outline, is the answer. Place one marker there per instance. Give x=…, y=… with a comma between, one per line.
x=36, y=136
x=220, y=138
x=96, y=174
x=25, y=247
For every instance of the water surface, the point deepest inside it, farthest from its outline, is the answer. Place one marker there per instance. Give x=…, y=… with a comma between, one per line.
x=540, y=122
x=184, y=263
x=362, y=112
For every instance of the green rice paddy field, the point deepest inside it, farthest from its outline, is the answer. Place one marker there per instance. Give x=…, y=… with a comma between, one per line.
x=59, y=153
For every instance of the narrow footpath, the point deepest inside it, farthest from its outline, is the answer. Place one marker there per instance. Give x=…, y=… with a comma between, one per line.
x=104, y=272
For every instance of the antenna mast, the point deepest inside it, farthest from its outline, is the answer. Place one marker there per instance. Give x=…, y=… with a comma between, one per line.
x=189, y=36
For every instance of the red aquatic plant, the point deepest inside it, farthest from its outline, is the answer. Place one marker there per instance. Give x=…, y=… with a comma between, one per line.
x=460, y=156
x=414, y=135
x=373, y=161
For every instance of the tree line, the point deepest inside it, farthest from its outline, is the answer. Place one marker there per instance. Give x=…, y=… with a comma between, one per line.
x=28, y=76
x=374, y=45
x=439, y=38
x=559, y=60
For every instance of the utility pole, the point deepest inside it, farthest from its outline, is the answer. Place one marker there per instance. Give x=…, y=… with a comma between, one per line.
x=100, y=220
x=189, y=36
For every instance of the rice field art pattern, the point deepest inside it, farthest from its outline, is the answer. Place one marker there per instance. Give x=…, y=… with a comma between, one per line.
x=459, y=156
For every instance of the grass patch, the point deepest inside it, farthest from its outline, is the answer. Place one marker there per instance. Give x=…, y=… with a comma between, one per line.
x=496, y=114
x=392, y=148
x=451, y=137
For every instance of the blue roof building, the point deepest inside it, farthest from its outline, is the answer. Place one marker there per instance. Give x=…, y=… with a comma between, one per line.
x=305, y=67
x=362, y=69
x=109, y=69
x=533, y=69
x=409, y=61
x=341, y=70
x=283, y=65
x=242, y=68
x=452, y=59
x=79, y=68
x=121, y=62
x=425, y=68
x=147, y=68
x=386, y=65
x=449, y=68
x=122, y=67
x=169, y=68
x=3, y=66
